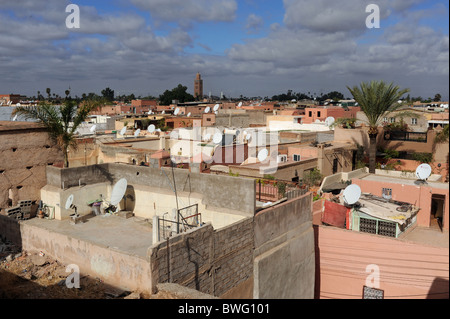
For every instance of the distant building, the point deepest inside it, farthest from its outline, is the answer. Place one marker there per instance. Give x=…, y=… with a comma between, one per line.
x=198, y=86
x=9, y=98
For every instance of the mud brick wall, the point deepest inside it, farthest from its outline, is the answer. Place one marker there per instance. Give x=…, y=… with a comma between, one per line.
x=209, y=261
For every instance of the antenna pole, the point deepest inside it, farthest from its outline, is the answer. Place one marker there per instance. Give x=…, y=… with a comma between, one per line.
x=176, y=197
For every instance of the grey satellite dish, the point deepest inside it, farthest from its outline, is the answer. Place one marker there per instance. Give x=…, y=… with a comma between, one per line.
x=118, y=191
x=329, y=121
x=93, y=128
x=351, y=194
x=69, y=202
x=262, y=154
x=151, y=128
x=177, y=110
x=207, y=109
x=216, y=107
x=123, y=131
x=423, y=171
x=189, y=114
x=138, y=131
x=217, y=138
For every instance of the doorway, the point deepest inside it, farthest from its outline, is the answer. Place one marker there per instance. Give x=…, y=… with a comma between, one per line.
x=437, y=211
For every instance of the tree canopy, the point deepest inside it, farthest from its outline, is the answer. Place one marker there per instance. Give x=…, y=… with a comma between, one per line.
x=178, y=93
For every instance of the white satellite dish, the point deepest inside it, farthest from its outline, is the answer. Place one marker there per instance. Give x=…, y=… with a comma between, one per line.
x=93, y=128
x=189, y=114
x=118, y=191
x=207, y=109
x=15, y=118
x=423, y=171
x=262, y=154
x=351, y=194
x=123, y=131
x=329, y=121
x=163, y=112
x=138, y=131
x=69, y=202
x=240, y=104
x=151, y=128
x=248, y=136
x=216, y=107
x=217, y=138
x=207, y=137
x=177, y=110
x=18, y=104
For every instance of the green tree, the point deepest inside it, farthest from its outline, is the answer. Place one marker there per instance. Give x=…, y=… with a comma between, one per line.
x=178, y=93
x=48, y=90
x=437, y=98
x=61, y=122
x=376, y=99
x=108, y=94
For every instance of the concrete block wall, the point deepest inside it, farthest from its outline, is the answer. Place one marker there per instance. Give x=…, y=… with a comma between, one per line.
x=212, y=262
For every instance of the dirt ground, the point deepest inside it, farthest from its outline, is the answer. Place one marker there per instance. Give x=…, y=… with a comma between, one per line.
x=26, y=275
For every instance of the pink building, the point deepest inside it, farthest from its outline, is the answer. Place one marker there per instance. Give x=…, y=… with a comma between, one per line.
x=321, y=113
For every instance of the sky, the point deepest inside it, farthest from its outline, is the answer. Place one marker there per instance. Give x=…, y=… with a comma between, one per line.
x=240, y=47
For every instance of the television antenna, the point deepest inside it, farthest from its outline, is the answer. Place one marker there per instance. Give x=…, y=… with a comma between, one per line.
x=329, y=121
x=70, y=205
x=217, y=138
x=123, y=131
x=177, y=110
x=240, y=104
x=189, y=114
x=351, y=194
x=93, y=128
x=15, y=118
x=423, y=171
x=216, y=107
x=262, y=155
x=151, y=128
x=207, y=109
x=138, y=131
x=163, y=112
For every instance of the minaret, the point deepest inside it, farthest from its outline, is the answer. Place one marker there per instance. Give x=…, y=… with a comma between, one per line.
x=198, y=87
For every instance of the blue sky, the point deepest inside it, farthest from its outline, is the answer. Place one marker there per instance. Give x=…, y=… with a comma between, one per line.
x=241, y=47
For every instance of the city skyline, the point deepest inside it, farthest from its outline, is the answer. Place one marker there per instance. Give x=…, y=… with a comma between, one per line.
x=247, y=47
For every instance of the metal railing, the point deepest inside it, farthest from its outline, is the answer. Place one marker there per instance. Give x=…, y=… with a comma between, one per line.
x=420, y=137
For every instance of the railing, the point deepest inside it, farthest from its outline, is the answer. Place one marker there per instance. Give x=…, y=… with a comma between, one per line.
x=184, y=219
x=405, y=136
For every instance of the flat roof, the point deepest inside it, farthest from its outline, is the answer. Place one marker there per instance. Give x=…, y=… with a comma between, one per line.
x=23, y=125
x=401, y=180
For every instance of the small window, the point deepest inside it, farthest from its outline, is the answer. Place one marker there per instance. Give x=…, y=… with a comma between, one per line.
x=385, y=119
x=392, y=119
x=208, y=119
x=318, y=114
x=296, y=157
x=414, y=121
x=386, y=193
x=310, y=114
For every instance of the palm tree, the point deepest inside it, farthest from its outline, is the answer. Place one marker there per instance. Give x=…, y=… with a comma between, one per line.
x=61, y=122
x=376, y=100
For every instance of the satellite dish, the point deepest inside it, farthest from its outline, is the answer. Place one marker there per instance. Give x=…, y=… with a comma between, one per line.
x=216, y=107
x=69, y=202
x=423, y=171
x=15, y=118
x=138, y=131
x=262, y=154
x=248, y=136
x=118, y=191
x=163, y=112
x=93, y=128
x=177, y=110
x=123, y=131
x=217, y=138
x=151, y=128
x=189, y=114
x=240, y=104
x=207, y=109
x=207, y=137
x=329, y=121
x=351, y=194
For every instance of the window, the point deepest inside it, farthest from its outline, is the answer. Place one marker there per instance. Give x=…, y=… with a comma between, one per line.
x=385, y=119
x=310, y=114
x=386, y=193
x=296, y=157
x=318, y=114
x=208, y=119
x=414, y=121
x=392, y=119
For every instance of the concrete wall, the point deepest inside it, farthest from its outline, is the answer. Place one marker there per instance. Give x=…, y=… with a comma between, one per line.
x=210, y=261
x=406, y=270
x=284, y=251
